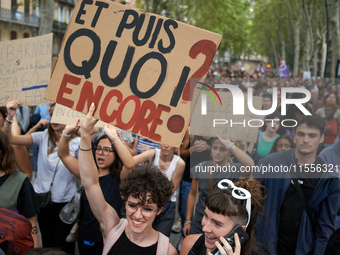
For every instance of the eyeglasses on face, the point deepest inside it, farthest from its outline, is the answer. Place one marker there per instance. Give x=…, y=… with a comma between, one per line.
x=105, y=150
x=146, y=210
x=238, y=193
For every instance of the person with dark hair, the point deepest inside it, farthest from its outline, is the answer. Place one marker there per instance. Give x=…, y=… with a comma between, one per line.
x=302, y=199
x=331, y=124
x=267, y=101
x=261, y=88
x=282, y=143
x=145, y=193
x=20, y=151
x=109, y=160
x=16, y=191
x=50, y=169
x=172, y=166
x=204, y=180
x=329, y=98
x=229, y=205
x=266, y=138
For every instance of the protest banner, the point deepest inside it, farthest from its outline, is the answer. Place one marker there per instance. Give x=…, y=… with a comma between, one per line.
x=220, y=120
x=67, y=116
x=25, y=69
x=135, y=66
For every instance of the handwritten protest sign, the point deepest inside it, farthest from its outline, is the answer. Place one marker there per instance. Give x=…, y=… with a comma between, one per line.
x=220, y=120
x=67, y=116
x=25, y=68
x=135, y=66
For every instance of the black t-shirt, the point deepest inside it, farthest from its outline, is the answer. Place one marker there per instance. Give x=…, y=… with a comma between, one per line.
x=196, y=157
x=124, y=246
x=27, y=203
x=292, y=208
x=89, y=229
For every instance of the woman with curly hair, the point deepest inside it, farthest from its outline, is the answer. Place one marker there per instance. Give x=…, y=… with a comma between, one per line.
x=172, y=166
x=109, y=160
x=230, y=205
x=145, y=193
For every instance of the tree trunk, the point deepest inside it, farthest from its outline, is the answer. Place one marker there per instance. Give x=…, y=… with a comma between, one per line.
x=283, y=52
x=309, y=46
x=315, y=61
x=296, y=49
x=323, y=54
x=147, y=4
x=306, y=52
x=47, y=14
x=275, y=55
x=334, y=50
x=336, y=5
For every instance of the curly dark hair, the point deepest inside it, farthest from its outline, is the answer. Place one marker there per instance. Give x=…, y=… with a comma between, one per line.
x=147, y=180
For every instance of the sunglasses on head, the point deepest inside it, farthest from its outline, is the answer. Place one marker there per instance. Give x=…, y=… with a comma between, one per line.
x=238, y=193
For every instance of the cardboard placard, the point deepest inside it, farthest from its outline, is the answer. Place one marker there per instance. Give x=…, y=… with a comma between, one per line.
x=67, y=116
x=229, y=125
x=135, y=66
x=25, y=68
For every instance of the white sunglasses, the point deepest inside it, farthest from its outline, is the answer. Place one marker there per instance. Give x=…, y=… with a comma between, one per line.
x=238, y=193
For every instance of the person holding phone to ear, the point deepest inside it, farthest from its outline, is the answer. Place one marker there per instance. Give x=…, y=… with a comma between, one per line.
x=232, y=208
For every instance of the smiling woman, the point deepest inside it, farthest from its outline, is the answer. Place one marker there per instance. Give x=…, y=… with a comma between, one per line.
x=145, y=193
x=109, y=162
x=172, y=166
x=226, y=207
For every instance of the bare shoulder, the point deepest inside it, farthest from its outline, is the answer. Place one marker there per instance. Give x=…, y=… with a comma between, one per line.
x=188, y=243
x=180, y=163
x=172, y=250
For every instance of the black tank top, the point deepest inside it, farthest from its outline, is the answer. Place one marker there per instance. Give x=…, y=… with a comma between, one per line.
x=123, y=246
x=199, y=247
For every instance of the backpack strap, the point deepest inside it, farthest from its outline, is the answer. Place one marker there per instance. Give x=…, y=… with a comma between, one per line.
x=113, y=235
x=163, y=244
x=10, y=190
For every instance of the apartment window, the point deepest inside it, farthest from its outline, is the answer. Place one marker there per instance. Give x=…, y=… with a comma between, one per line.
x=61, y=14
x=26, y=35
x=13, y=35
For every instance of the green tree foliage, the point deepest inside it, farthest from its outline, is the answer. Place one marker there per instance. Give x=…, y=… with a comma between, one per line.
x=229, y=18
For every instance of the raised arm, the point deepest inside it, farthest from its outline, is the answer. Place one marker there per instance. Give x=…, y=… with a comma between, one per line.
x=105, y=214
x=241, y=156
x=140, y=158
x=122, y=150
x=177, y=176
x=69, y=161
x=16, y=139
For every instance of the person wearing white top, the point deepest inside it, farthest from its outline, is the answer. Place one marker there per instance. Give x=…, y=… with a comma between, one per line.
x=172, y=166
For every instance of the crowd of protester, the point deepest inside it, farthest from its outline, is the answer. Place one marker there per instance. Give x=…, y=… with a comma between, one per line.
x=129, y=177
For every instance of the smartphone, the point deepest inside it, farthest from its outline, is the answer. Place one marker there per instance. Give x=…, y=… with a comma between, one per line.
x=243, y=236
